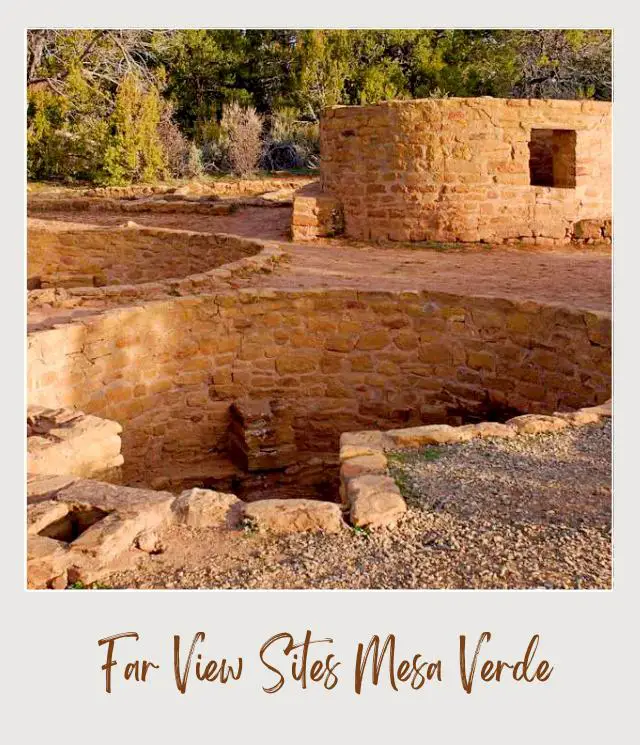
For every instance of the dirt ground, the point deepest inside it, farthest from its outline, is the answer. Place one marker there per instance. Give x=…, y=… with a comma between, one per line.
x=574, y=277
x=532, y=512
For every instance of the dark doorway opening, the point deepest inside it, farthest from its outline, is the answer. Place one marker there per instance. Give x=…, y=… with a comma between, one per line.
x=552, y=158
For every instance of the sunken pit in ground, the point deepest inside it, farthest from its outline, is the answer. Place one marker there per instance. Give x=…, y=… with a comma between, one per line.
x=235, y=362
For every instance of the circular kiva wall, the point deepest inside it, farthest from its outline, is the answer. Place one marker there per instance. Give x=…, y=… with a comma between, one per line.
x=81, y=257
x=477, y=169
x=327, y=361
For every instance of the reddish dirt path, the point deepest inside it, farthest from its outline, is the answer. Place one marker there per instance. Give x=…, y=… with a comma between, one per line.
x=268, y=223
x=579, y=279
x=574, y=277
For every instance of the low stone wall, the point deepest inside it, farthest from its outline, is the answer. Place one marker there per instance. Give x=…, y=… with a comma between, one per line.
x=156, y=205
x=221, y=187
x=131, y=254
x=343, y=360
x=232, y=187
x=218, y=250
x=370, y=493
x=77, y=529
x=316, y=214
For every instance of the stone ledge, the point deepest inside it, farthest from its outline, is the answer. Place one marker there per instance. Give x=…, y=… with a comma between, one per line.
x=294, y=516
x=67, y=442
x=77, y=533
x=139, y=205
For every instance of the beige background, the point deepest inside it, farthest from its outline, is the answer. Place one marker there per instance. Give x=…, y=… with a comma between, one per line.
x=52, y=684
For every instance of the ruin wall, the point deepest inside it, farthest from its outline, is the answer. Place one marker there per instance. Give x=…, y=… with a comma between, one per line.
x=125, y=255
x=475, y=169
x=168, y=371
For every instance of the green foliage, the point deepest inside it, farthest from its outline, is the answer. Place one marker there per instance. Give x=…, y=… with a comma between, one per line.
x=431, y=453
x=116, y=106
x=399, y=456
x=133, y=151
x=65, y=136
x=93, y=586
x=194, y=166
x=292, y=143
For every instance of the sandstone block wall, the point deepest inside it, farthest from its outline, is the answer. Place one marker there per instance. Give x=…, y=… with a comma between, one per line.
x=316, y=214
x=255, y=256
x=343, y=359
x=124, y=255
x=221, y=187
x=461, y=169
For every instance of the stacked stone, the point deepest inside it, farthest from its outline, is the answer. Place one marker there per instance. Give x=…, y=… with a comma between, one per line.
x=460, y=169
x=315, y=214
x=370, y=493
x=71, y=443
x=126, y=255
x=261, y=435
x=344, y=359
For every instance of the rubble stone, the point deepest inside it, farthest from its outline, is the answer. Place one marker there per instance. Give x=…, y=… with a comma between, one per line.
x=294, y=515
x=204, y=508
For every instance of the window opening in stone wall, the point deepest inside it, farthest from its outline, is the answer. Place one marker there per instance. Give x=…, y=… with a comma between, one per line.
x=552, y=158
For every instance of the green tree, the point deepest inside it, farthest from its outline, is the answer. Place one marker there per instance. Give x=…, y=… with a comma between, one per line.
x=133, y=150
x=104, y=104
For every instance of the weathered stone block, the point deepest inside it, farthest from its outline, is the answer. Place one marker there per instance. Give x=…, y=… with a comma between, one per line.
x=294, y=515
x=375, y=501
x=71, y=443
x=534, y=424
x=429, y=434
x=204, y=508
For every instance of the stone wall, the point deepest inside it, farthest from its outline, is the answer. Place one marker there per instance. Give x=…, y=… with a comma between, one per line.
x=255, y=256
x=344, y=360
x=125, y=255
x=221, y=187
x=165, y=204
x=160, y=198
x=461, y=169
x=370, y=493
x=315, y=214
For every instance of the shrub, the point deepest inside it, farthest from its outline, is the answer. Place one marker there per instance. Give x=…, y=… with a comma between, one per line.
x=214, y=146
x=193, y=166
x=152, y=159
x=184, y=159
x=291, y=143
x=134, y=151
x=174, y=144
x=60, y=146
x=242, y=128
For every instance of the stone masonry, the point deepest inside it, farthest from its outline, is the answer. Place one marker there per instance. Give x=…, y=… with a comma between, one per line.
x=342, y=359
x=456, y=169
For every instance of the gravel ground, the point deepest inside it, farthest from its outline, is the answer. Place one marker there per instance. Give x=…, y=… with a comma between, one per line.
x=532, y=512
